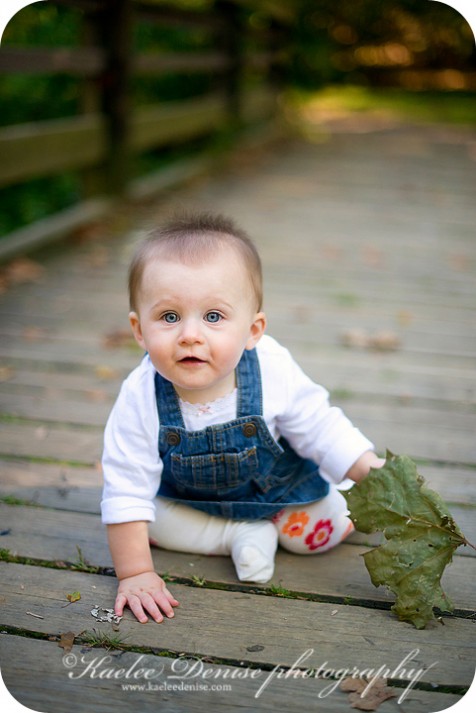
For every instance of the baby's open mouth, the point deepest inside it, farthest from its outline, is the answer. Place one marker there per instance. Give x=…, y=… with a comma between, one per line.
x=191, y=360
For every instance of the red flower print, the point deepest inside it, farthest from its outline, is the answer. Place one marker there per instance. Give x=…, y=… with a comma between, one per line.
x=320, y=535
x=296, y=523
x=277, y=515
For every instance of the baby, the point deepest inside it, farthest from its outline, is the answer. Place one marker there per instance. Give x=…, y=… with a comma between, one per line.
x=218, y=443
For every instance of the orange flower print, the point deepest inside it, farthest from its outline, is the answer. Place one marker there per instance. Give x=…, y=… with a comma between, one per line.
x=320, y=535
x=296, y=523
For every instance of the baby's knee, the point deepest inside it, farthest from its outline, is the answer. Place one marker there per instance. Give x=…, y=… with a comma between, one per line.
x=314, y=527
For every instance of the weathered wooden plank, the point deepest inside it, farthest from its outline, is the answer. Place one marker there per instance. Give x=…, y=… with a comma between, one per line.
x=289, y=290
x=347, y=375
x=26, y=381
x=392, y=427
x=65, y=487
x=455, y=485
x=57, y=408
x=411, y=338
x=369, y=637
x=111, y=366
x=53, y=535
x=52, y=485
x=416, y=432
x=35, y=674
x=79, y=445
x=459, y=341
x=316, y=359
x=61, y=534
x=377, y=420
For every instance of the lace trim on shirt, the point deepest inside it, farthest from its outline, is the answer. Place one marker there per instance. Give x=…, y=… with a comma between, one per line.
x=212, y=407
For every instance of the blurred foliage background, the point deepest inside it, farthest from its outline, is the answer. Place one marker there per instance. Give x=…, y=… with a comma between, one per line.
x=414, y=56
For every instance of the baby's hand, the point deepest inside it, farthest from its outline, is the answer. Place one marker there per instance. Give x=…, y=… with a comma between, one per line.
x=145, y=592
x=362, y=466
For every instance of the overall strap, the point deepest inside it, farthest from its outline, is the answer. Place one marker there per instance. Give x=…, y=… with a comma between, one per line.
x=168, y=405
x=248, y=381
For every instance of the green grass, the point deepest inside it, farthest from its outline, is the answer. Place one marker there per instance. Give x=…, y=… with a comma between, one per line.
x=423, y=106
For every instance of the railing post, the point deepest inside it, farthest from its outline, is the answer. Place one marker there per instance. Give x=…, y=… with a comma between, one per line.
x=232, y=42
x=93, y=181
x=116, y=24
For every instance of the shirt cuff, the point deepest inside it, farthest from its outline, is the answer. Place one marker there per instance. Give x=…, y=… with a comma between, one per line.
x=124, y=509
x=343, y=455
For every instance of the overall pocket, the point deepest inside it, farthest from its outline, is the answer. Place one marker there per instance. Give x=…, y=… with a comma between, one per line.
x=214, y=473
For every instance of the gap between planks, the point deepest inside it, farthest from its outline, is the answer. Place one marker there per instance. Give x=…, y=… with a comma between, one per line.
x=176, y=684
x=339, y=574
x=239, y=626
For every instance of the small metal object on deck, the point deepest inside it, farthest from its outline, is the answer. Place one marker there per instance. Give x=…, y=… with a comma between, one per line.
x=109, y=616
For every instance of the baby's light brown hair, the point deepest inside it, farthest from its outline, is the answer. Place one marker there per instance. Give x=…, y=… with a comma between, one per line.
x=191, y=238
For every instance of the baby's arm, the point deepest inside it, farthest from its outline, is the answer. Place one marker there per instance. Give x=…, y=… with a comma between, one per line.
x=139, y=585
x=361, y=468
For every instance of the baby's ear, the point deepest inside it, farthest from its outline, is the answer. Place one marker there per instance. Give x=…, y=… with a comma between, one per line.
x=257, y=330
x=136, y=329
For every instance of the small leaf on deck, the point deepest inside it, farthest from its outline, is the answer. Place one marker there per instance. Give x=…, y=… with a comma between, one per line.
x=66, y=641
x=74, y=597
x=366, y=695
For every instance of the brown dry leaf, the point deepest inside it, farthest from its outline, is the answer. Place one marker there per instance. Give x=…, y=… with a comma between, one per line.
x=405, y=317
x=103, y=371
x=96, y=395
x=23, y=270
x=355, y=339
x=6, y=373
x=367, y=696
x=119, y=338
x=460, y=262
x=352, y=684
x=88, y=233
x=302, y=314
x=385, y=341
x=472, y=150
x=372, y=256
x=33, y=334
x=331, y=252
x=98, y=257
x=66, y=641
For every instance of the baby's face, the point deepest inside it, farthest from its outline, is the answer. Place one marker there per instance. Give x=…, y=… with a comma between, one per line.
x=195, y=322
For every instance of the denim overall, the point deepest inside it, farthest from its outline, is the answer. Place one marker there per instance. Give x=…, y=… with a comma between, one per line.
x=235, y=469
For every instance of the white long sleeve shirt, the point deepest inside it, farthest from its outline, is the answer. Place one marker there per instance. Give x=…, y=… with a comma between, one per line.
x=293, y=407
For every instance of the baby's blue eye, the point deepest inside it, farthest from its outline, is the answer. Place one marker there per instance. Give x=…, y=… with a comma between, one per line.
x=170, y=317
x=213, y=317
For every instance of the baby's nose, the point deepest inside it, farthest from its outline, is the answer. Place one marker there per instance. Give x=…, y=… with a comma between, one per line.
x=191, y=331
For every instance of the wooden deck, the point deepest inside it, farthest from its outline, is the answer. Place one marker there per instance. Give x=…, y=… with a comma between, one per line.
x=363, y=232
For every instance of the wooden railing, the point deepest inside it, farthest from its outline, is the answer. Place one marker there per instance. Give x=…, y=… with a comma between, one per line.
x=101, y=142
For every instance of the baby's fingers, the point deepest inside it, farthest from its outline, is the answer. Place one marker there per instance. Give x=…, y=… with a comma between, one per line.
x=121, y=601
x=165, y=601
x=136, y=606
x=170, y=597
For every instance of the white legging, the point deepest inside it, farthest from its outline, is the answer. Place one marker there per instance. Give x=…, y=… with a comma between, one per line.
x=308, y=528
